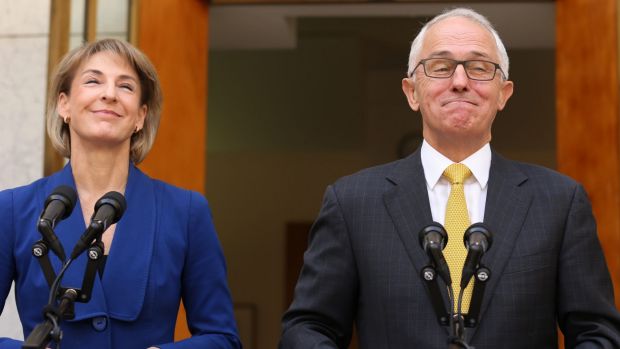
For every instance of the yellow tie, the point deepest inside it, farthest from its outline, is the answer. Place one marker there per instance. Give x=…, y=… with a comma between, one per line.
x=457, y=221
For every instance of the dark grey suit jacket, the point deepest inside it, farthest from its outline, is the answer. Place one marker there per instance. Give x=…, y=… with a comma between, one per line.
x=364, y=260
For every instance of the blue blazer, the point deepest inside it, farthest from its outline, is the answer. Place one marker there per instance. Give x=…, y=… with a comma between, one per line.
x=165, y=249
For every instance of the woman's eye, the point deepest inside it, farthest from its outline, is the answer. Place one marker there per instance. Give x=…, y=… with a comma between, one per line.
x=92, y=81
x=127, y=87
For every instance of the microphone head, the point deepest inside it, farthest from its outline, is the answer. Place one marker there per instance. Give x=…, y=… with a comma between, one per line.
x=435, y=230
x=479, y=232
x=66, y=195
x=116, y=200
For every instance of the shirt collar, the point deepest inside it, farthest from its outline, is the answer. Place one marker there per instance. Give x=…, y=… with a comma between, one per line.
x=434, y=163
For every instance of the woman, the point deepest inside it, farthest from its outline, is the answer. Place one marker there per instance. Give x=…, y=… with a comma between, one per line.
x=103, y=114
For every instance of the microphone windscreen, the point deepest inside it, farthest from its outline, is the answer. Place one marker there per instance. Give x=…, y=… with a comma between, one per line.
x=67, y=195
x=433, y=228
x=116, y=200
x=478, y=228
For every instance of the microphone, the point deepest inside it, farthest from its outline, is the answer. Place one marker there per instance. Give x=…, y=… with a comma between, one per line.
x=58, y=206
x=477, y=239
x=108, y=210
x=433, y=239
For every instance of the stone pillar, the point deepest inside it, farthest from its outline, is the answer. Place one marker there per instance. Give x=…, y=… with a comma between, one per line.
x=24, y=28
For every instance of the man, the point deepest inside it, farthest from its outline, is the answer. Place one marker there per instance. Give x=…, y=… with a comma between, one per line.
x=364, y=262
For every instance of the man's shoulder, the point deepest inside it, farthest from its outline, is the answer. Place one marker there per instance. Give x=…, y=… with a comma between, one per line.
x=377, y=173
x=372, y=182
x=541, y=175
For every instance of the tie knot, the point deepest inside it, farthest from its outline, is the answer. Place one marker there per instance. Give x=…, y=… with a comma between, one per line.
x=457, y=173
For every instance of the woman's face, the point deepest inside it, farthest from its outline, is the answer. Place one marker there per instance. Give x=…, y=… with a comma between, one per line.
x=103, y=106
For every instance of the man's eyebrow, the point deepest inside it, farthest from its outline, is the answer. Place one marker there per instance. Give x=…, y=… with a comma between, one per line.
x=440, y=54
x=448, y=54
x=480, y=54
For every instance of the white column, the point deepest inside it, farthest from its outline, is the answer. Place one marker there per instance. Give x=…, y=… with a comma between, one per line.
x=24, y=29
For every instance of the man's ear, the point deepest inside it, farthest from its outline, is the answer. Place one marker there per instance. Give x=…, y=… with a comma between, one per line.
x=409, y=91
x=504, y=94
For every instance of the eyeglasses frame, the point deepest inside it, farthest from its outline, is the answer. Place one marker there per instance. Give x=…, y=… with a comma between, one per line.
x=458, y=62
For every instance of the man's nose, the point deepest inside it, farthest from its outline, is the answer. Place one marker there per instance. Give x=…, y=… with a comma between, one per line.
x=459, y=78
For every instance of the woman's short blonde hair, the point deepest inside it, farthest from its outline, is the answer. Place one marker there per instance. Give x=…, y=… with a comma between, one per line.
x=151, y=96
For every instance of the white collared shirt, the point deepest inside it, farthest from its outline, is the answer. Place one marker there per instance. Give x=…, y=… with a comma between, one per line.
x=438, y=186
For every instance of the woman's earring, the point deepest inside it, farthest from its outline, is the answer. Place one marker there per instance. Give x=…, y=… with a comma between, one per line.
x=67, y=120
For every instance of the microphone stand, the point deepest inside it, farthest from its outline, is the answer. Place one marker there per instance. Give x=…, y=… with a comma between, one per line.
x=445, y=318
x=457, y=322
x=471, y=319
x=50, y=330
x=429, y=275
x=457, y=340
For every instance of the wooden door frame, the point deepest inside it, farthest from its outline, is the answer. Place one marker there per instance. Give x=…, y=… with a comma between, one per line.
x=587, y=112
x=174, y=35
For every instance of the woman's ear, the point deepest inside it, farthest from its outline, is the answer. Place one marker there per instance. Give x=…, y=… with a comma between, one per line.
x=142, y=117
x=62, y=106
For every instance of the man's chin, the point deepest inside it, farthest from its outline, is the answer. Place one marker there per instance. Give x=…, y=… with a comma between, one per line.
x=459, y=109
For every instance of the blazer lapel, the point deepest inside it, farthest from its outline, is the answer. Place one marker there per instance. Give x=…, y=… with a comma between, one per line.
x=69, y=232
x=122, y=291
x=127, y=270
x=507, y=204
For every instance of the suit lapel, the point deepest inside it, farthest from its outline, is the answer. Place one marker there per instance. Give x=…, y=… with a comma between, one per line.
x=408, y=205
x=507, y=204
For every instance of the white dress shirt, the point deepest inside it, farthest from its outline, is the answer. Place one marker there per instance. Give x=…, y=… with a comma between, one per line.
x=438, y=186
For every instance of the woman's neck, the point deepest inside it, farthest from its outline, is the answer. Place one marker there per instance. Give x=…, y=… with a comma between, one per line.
x=97, y=171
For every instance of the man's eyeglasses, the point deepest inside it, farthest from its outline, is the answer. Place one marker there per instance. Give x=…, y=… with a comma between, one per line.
x=443, y=68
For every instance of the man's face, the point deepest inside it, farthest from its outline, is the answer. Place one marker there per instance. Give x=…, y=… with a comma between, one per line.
x=457, y=109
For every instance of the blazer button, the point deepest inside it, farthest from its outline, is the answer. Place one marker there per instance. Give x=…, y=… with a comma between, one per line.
x=100, y=323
